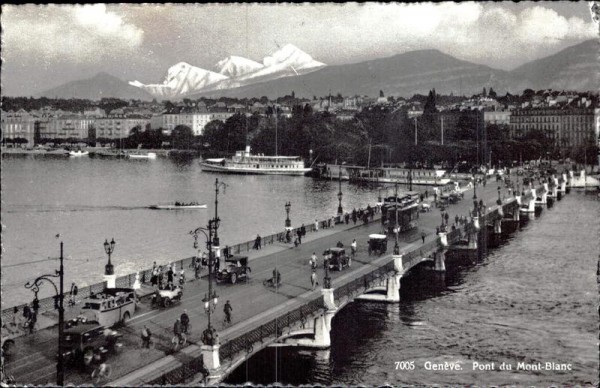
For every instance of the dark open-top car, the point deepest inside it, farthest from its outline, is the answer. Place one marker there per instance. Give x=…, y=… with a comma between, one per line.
x=236, y=268
x=86, y=338
x=337, y=258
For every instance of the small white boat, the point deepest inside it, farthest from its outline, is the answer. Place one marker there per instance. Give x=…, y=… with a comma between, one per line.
x=177, y=206
x=78, y=153
x=149, y=155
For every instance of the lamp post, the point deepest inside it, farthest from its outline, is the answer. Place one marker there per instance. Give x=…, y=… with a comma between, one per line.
x=326, y=278
x=288, y=223
x=396, y=227
x=215, y=240
x=340, y=209
x=109, y=248
x=210, y=300
x=499, y=200
x=58, y=304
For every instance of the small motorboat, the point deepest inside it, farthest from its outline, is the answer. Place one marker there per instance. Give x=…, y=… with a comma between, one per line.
x=178, y=205
x=78, y=153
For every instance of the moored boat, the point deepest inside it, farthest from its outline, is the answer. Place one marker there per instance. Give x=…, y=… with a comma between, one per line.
x=149, y=155
x=78, y=153
x=245, y=163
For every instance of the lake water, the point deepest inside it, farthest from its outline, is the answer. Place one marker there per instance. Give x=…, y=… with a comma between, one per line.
x=88, y=200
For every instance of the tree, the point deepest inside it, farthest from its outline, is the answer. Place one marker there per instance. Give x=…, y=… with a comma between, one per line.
x=484, y=93
x=492, y=93
x=182, y=137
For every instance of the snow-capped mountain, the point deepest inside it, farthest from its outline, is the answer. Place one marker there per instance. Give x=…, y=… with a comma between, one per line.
x=235, y=66
x=182, y=79
x=233, y=72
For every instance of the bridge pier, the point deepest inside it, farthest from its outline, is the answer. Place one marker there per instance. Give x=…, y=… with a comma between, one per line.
x=391, y=288
x=547, y=196
x=212, y=363
x=440, y=255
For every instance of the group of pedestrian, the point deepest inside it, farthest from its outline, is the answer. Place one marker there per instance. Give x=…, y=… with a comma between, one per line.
x=166, y=277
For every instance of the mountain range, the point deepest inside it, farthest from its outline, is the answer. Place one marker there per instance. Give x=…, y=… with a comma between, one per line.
x=290, y=69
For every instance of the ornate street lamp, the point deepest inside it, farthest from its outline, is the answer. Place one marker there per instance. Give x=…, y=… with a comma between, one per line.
x=288, y=223
x=109, y=249
x=58, y=304
x=340, y=209
x=396, y=227
x=210, y=300
x=216, y=219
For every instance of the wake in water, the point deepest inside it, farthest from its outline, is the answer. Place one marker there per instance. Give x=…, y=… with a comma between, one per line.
x=66, y=208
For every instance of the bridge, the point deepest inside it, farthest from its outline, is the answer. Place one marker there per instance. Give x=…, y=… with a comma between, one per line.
x=306, y=319
x=294, y=314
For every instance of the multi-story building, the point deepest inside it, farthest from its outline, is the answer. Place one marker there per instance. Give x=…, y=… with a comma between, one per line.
x=569, y=125
x=196, y=121
x=18, y=125
x=69, y=126
x=497, y=117
x=119, y=127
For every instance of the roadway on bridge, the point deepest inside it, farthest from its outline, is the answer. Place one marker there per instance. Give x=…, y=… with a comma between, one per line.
x=34, y=361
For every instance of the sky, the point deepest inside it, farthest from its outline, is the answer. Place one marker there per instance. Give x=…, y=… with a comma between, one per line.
x=44, y=46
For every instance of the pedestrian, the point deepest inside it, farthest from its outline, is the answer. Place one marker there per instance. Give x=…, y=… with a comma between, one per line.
x=303, y=230
x=185, y=321
x=456, y=219
x=313, y=279
x=288, y=236
x=347, y=218
x=316, y=225
x=423, y=237
x=226, y=252
x=300, y=237
x=329, y=223
x=259, y=239
x=313, y=261
x=296, y=241
x=170, y=275
x=446, y=217
x=32, y=321
x=197, y=268
x=227, y=309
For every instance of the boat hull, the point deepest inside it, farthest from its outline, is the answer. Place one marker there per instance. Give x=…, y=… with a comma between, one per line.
x=427, y=182
x=173, y=207
x=77, y=154
x=254, y=171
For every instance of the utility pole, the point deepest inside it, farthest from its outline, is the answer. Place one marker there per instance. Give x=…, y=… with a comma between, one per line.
x=415, y=130
x=442, y=130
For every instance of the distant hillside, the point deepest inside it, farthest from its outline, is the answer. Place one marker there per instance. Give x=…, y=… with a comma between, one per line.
x=97, y=87
x=403, y=74
x=574, y=68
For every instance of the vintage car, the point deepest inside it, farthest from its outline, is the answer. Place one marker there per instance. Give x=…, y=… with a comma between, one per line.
x=109, y=307
x=336, y=258
x=377, y=243
x=167, y=296
x=236, y=268
x=83, y=340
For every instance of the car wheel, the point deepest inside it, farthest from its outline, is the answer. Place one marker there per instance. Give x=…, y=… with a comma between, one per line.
x=166, y=302
x=233, y=278
x=125, y=318
x=88, y=356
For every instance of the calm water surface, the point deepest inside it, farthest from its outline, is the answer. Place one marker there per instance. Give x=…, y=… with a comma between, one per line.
x=532, y=300
x=86, y=200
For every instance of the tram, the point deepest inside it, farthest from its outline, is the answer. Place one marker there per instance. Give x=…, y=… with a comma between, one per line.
x=404, y=209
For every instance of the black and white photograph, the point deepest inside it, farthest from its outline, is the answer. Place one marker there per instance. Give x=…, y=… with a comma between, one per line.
x=300, y=194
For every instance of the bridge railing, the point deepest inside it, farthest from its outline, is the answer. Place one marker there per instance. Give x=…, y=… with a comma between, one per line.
x=272, y=329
